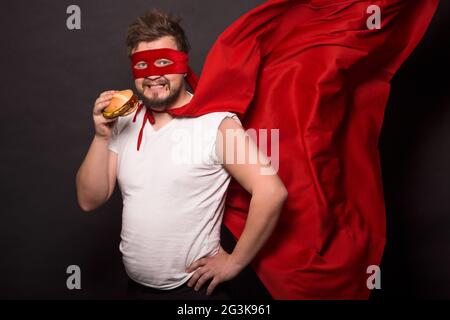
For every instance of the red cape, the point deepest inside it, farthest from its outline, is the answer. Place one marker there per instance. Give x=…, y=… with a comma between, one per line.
x=314, y=70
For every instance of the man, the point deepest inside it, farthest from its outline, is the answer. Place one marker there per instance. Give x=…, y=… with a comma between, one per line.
x=172, y=207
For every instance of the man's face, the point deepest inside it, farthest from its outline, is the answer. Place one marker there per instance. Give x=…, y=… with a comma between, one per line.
x=159, y=92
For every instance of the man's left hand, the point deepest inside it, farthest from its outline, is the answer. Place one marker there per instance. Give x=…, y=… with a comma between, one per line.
x=220, y=267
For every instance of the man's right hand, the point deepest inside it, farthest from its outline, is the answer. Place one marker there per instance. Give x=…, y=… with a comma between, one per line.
x=103, y=126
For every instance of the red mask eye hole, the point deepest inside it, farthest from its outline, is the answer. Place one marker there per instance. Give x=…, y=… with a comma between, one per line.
x=163, y=62
x=141, y=65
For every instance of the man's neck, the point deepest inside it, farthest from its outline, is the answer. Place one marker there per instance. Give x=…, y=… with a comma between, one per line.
x=182, y=100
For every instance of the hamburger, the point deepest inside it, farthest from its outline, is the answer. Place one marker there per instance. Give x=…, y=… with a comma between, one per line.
x=122, y=104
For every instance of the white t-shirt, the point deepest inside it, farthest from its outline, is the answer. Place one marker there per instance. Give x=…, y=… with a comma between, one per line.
x=173, y=193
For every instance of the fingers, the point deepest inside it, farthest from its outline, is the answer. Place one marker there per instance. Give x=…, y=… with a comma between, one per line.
x=103, y=101
x=206, y=269
x=104, y=98
x=212, y=286
x=197, y=275
x=99, y=106
x=108, y=92
x=201, y=281
x=200, y=278
x=197, y=264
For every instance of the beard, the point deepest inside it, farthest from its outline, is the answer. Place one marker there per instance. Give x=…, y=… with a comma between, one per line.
x=160, y=103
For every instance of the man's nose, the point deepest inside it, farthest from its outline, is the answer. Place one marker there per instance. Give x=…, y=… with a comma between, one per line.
x=153, y=77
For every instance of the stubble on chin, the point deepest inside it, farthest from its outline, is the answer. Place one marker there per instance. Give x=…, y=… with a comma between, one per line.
x=161, y=103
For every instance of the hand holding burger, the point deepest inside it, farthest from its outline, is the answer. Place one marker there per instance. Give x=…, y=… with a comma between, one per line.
x=109, y=106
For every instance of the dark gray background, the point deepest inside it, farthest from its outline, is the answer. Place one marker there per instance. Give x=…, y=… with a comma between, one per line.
x=50, y=79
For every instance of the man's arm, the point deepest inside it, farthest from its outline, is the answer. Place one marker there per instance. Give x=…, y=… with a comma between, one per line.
x=96, y=178
x=268, y=195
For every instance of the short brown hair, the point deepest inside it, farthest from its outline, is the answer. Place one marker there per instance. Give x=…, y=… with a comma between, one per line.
x=154, y=25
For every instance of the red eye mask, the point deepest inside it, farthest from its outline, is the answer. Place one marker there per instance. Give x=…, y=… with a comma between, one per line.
x=149, y=58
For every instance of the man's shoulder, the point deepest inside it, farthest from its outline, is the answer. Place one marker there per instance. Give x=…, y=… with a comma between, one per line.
x=213, y=120
x=217, y=116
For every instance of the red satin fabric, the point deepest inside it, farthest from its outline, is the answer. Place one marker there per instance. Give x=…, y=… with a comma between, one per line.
x=312, y=69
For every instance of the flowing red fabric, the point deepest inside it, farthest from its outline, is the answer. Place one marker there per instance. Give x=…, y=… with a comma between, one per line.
x=316, y=72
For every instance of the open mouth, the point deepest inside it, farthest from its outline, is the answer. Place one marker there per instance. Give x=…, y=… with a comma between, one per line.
x=156, y=85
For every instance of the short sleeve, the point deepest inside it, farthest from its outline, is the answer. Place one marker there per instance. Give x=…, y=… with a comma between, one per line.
x=113, y=140
x=213, y=152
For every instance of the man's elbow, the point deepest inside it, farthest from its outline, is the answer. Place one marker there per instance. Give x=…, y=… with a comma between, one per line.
x=86, y=207
x=86, y=204
x=276, y=192
x=283, y=194
x=86, y=200
x=280, y=193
